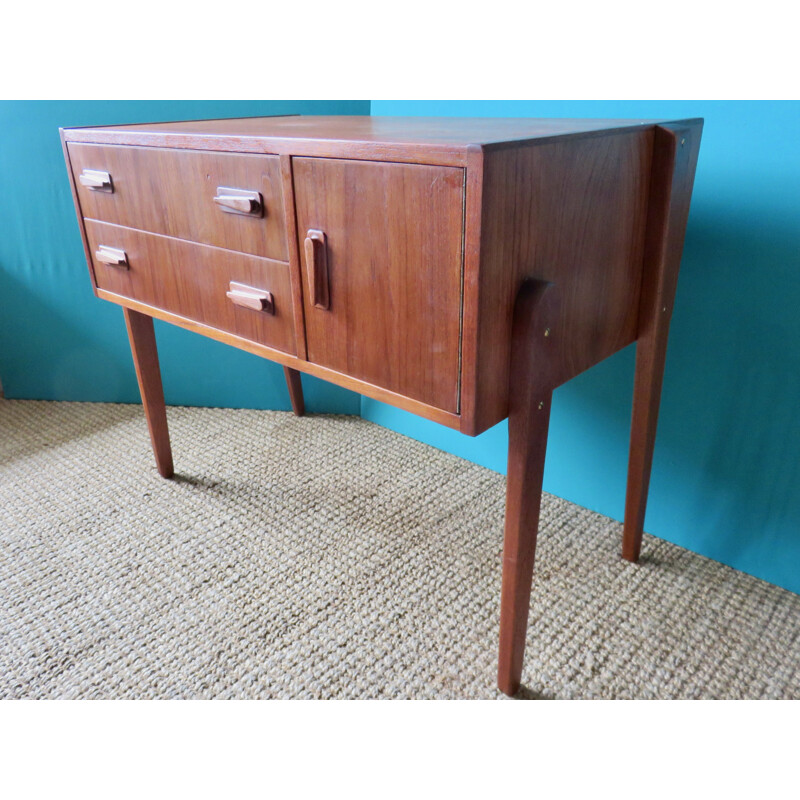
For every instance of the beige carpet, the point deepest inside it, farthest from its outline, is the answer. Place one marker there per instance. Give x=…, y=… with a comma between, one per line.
x=326, y=557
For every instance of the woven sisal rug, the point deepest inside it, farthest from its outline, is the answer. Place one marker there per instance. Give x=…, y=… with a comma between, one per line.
x=326, y=557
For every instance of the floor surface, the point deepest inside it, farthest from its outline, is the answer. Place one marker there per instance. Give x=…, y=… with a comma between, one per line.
x=327, y=557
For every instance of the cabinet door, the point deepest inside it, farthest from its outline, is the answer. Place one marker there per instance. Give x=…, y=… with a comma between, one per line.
x=382, y=272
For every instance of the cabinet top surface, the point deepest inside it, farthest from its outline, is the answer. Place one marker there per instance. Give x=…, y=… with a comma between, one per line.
x=416, y=131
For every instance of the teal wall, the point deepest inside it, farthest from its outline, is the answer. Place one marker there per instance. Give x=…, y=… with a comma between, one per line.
x=59, y=342
x=726, y=477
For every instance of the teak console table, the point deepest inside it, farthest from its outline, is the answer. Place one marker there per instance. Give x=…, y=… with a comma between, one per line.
x=460, y=269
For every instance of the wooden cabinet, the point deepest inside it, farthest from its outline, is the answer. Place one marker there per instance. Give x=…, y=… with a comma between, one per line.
x=460, y=269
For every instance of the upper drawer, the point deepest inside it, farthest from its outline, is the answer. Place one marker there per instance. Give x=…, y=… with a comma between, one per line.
x=172, y=192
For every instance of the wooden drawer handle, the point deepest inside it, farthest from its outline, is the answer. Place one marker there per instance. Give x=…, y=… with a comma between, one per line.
x=96, y=180
x=316, y=247
x=112, y=256
x=246, y=296
x=239, y=201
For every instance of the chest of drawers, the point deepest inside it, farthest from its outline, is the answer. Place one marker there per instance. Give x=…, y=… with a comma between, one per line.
x=459, y=269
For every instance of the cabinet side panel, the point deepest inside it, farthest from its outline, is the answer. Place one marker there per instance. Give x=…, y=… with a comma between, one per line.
x=571, y=213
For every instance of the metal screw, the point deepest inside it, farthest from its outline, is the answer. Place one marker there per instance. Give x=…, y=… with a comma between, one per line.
x=664, y=309
x=541, y=405
x=547, y=331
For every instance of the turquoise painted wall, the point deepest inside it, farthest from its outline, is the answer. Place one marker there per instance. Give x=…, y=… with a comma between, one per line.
x=726, y=477
x=57, y=341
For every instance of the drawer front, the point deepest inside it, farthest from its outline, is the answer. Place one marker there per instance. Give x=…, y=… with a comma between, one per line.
x=194, y=281
x=381, y=247
x=172, y=192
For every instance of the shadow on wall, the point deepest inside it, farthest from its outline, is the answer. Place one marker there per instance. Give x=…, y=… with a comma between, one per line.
x=726, y=471
x=729, y=420
x=52, y=356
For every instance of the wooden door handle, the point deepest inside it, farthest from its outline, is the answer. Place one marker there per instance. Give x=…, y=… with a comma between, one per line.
x=248, y=297
x=112, y=256
x=96, y=180
x=239, y=201
x=316, y=247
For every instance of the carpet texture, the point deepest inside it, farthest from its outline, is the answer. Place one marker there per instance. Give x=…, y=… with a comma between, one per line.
x=326, y=557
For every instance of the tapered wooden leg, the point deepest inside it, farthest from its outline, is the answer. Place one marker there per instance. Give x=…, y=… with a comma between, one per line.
x=650, y=356
x=295, y=391
x=674, y=162
x=527, y=434
x=145, y=360
x=530, y=397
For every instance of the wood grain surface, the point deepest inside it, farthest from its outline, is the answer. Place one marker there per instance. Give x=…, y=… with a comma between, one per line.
x=425, y=140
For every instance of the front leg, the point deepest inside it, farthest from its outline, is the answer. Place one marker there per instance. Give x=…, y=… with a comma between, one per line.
x=527, y=443
x=145, y=360
x=530, y=396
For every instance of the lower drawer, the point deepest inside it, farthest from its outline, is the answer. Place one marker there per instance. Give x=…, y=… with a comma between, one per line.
x=194, y=281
